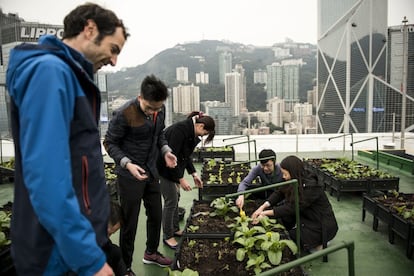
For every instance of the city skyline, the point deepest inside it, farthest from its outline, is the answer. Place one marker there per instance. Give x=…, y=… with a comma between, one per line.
x=158, y=25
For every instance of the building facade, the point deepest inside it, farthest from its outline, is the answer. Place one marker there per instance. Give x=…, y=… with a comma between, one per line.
x=400, y=74
x=283, y=81
x=186, y=98
x=182, y=74
x=225, y=65
x=351, y=65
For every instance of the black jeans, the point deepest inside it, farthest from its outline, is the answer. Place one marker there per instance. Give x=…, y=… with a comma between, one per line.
x=131, y=192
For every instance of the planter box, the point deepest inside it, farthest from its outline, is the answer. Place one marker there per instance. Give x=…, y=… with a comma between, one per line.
x=371, y=206
x=6, y=262
x=340, y=185
x=402, y=228
x=211, y=191
x=6, y=175
x=221, y=153
x=395, y=158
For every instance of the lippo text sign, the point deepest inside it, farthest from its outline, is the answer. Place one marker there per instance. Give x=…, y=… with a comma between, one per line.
x=31, y=33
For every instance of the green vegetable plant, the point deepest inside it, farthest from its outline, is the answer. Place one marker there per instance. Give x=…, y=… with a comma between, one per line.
x=222, y=207
x=185, y=272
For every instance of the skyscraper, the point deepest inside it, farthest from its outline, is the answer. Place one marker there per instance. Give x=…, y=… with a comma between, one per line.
x=283, y=81
x=225, y=65
x=351, y=65
x=400, y=64
x=186, y=98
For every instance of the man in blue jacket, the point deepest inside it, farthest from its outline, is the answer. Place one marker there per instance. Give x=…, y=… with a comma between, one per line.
x=61, y=206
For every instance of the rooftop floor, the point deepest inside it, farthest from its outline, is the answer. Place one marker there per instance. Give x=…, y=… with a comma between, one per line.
x=374, y=255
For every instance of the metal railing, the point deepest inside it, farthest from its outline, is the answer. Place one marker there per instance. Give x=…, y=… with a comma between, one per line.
x=376, y=138
x=244, y=142
x=343, y=135
x=351, y=259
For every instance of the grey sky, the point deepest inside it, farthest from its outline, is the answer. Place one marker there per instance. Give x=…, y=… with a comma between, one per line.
x=159, y=24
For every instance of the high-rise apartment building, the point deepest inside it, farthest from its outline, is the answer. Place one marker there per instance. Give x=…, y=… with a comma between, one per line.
x=400, y=73
x=202, y=78
x=186, y=98
x=182, y=74
x=351, y=65
x=283, y=81
x=242, y=96
x=222, y=115
x=276, y=107
x=260, y=76
x=233, y=92
x=225, y=65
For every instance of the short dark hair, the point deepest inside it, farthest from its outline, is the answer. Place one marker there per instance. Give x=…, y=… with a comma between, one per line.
x=106, y=21
x=268, y=154
x=153, y=89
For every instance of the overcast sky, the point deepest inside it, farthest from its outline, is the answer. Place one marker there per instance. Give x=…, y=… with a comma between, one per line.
x=156, y=25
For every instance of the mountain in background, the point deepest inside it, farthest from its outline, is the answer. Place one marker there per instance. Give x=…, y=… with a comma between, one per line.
x=204, y=56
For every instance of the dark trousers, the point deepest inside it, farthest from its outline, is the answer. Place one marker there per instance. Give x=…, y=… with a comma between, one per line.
x=170, y=219
x=114, y=258
x=131, y=192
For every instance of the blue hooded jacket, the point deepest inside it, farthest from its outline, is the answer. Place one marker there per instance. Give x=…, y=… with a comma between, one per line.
x=61, y=206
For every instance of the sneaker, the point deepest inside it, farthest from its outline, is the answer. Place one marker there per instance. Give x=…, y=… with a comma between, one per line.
x=156, y=258
x=129, y=272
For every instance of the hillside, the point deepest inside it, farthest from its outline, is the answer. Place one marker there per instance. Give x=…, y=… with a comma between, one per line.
x=203, y=56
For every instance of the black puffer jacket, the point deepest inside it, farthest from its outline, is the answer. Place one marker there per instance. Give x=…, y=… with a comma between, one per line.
x=135, y=135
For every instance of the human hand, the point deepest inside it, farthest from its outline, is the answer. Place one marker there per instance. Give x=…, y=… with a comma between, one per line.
x=185, y=185
x=138, y=172
x=257, y=213
x=170, y=160
x=106, y=270
x=198, y=182
x=240, y=201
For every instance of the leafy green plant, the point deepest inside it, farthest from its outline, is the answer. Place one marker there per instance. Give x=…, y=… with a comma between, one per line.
x=5, y=218
x=222, y=207
x=258, y=262
x=193, y=228
x=271, y=243
x=185, y=272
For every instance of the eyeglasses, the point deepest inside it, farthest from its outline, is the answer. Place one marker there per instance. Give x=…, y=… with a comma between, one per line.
x=147, y=107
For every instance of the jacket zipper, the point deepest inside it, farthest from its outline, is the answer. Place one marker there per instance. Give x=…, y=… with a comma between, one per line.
x=85, y=193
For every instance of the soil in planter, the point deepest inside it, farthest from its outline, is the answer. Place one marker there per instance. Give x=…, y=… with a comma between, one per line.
x=218, y=257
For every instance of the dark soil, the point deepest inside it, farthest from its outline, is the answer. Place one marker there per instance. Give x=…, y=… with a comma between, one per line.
x=218, y=257
x=397, y=202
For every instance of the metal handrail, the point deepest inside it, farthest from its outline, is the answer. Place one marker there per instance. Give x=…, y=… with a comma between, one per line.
x=348, y=245
x=376, y=138
x=248, y=143
x=245, y=162
x=343, y=135
x=294, y=182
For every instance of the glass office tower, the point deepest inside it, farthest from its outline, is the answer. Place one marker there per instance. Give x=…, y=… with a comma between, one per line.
x=351, y=69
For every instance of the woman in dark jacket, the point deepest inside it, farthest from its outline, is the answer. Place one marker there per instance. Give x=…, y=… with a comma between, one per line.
x=317, y=218
x=182, y=138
